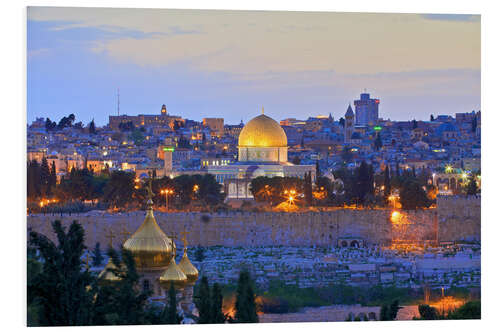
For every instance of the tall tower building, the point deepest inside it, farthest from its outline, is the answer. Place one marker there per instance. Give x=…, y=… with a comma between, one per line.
x=348, y=124
x=366, y=110
x=163, y=109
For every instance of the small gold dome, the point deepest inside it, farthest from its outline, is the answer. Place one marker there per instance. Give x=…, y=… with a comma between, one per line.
x=188, y=268
x=107, y=275
x=173, y=274
x=262, y=131
x=149, y=245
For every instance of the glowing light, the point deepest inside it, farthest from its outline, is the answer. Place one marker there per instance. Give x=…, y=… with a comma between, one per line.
x=448, y=169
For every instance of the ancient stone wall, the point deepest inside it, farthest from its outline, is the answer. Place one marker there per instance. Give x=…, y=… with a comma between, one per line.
x=459, y=218
x=454, y=219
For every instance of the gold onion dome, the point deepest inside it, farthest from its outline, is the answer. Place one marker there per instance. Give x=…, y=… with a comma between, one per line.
x=107, y=275
x=262, y=131
x=173, y=274
x=149, y=245
x=188, y=268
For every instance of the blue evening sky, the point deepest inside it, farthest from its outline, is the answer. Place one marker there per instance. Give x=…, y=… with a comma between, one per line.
x=230, y=64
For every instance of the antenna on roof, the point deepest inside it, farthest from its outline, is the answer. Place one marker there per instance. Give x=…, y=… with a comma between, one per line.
x=118, y=101
x=262, y=110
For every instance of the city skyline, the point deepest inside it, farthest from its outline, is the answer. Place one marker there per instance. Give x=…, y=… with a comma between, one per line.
x=295, y=64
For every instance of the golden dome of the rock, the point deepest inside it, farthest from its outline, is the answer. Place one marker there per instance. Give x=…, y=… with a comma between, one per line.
x=262, y=131
x=173, y=274
x=149, y=245
x=188, y=268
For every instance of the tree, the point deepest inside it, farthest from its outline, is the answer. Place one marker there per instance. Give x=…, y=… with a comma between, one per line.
x=202, y=302
x=318, y=170
x=61, y=288
x=45, y=177
x=387, y=183
x=393, y=309
x=122, y=302
x=346, y=155
x=119, y=190
x=364, y=182
x=342, y=122
x=96, y=255
x=308, y=188
x=378, y=142
x=384, y=313
x=471, y=187
x=432, y=117
x=126, y=126
x=33, y=180
x=473, y=125
x=137, y=136
x=246, y=311
x=428, y=312
x=92, y=127
x=172, y=317
x=414, y=124
x=53, y=176
x=412, y=195
x=217, y=316
x=470, y=310
x=50, y=125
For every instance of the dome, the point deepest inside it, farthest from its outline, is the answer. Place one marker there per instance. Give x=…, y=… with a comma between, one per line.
x=262, y=131
x=187, y=267
x=173, y=274
x=106, y=275
x=149, y=245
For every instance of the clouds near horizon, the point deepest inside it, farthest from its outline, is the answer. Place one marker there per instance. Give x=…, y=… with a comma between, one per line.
x=215, y=63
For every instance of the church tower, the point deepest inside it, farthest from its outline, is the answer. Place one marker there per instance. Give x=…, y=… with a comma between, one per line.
x=348, y=125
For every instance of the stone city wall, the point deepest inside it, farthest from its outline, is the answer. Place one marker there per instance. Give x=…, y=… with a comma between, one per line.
x=458, y=219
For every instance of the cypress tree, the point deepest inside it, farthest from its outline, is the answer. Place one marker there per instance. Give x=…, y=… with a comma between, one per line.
x=384, y=313
x=53, y=176
x=217, y=316
x=44, y=177
x=471, y=188
x=246, y=311
x=60, y=288
x=172, y=317
x=202, y=302
x=92, y=127
x=308, y=188
x=96, y=255
x=387, y=183
x=393, y=309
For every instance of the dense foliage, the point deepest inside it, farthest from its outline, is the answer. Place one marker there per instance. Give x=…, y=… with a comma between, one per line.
x=62, y=292
x=117, y=189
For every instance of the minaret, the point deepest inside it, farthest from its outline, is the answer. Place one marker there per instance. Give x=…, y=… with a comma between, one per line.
x=348, y=124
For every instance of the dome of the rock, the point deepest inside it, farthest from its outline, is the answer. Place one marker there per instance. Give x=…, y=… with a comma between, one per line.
x=262, y=131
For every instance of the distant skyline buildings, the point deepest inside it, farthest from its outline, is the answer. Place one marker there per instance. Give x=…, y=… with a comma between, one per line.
x=296, y=64
x=366, y=110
